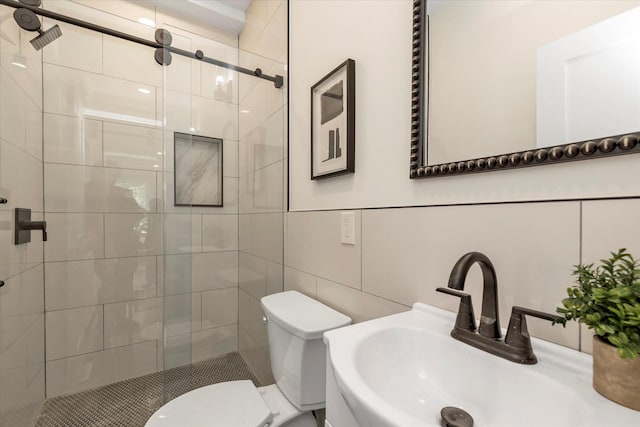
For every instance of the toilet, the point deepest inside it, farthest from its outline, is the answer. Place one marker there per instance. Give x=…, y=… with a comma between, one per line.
x=295, y=324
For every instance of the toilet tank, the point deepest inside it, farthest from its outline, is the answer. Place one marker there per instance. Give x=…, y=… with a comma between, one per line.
x=295, y=324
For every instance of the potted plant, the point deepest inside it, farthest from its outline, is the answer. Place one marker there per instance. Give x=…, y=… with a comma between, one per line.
x=606, y=298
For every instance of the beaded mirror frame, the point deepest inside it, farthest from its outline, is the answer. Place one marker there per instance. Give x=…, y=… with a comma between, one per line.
x=573, y=151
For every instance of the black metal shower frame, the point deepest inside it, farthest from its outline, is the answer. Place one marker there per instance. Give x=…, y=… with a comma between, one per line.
x=277, y=79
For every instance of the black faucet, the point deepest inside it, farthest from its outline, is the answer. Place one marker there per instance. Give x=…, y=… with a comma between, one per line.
x=489, y=319
x=517, y=344
x=24, y=226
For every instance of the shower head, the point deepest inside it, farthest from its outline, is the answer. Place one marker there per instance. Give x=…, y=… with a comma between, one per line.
x=46, y=37
x=29, y=21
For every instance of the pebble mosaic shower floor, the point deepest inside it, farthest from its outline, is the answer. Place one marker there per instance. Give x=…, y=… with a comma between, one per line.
x=130, y=403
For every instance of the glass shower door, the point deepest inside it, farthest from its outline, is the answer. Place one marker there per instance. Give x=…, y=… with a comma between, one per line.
x=22, y=368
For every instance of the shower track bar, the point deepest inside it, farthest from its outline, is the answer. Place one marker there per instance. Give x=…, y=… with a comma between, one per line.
x=277, y=79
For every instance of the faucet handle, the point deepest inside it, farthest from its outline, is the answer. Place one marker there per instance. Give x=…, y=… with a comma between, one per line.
x=465, y=320
x=518, y=334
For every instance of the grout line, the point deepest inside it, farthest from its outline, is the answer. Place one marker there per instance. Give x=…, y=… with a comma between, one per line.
x=510, y=202
x=103, y=349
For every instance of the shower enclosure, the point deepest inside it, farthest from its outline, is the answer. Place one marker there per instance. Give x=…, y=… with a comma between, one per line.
x=162, y=189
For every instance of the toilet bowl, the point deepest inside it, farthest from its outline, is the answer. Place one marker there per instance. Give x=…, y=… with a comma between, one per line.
x=295, y=324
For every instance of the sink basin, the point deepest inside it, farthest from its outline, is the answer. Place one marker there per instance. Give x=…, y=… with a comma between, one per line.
x=401, y=370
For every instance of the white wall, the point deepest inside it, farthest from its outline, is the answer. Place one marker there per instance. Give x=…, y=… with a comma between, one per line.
x=402, y=255
x=377, y=35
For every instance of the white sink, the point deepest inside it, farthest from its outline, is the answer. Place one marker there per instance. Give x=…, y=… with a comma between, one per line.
x=401, y=370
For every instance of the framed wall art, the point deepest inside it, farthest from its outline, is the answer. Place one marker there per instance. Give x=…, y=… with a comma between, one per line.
x=198, y=170
x=333, y=122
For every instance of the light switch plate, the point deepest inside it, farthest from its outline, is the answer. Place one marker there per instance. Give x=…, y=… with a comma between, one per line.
x=348, y=228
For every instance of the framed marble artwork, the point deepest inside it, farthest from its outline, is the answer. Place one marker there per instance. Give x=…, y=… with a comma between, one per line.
x=197, y=170
x=333, y=122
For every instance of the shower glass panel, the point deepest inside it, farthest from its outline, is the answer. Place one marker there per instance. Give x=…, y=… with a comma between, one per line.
x=22, y=356
x=200, y=207
x=134, y=280
x=262, y=189
x=103, y=165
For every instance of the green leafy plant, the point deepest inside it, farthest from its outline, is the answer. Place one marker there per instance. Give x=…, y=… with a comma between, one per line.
x=607, y=299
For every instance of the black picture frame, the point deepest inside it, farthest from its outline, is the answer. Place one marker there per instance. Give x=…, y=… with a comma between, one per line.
x=186, y=167
x=333, y=118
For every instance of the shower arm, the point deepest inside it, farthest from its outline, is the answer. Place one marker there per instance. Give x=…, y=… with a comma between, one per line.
x=277, y=79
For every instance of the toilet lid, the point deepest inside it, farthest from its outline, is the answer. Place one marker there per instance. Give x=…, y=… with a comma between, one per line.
x=233, y=403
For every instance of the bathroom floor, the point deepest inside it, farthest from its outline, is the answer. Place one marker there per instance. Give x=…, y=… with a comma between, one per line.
x=130, y=403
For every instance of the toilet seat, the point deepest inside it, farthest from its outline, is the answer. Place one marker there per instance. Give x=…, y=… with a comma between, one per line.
x=233, y=403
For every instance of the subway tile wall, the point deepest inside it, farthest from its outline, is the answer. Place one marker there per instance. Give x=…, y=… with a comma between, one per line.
x=402, y=255
x=133, y=284
x=22, y=321
x=262, y=180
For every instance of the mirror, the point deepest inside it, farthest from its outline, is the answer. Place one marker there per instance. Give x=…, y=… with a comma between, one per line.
x=514, y=83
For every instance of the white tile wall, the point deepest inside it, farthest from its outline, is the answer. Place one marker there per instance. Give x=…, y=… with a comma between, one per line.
x=220, y=83
x=15, y=259
x=296, y=280
x=601, y=235
x=132, y=322
x=72, y=140
x=74, y=374
x=166, y=197
x=130, y=61
x=230, y=158
x=183, y=233
x=20, y=177
x=219, y=308
x=74, y=331
x=257, y=328
x=261, y=235
x=177, y=351
x=313, y=246
x=196, y=311
x=261, y=191
x=404, y=254
x=73, y=188
x=528, y=272
x=79, y=48
x=214, y=270
x=21, y=304
x=74, y=236
x=133, y=235
x=219, y=232
x=79, y=93
x=264, y=145
x=14, y=44
x=360, y=306
x=82, y=283
x=214, y=118
x=263, y=33
x=252, y=275
x=176, y=273
x=258, y=105
x=133, y=147
x=214, y=342
x=178, y=314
